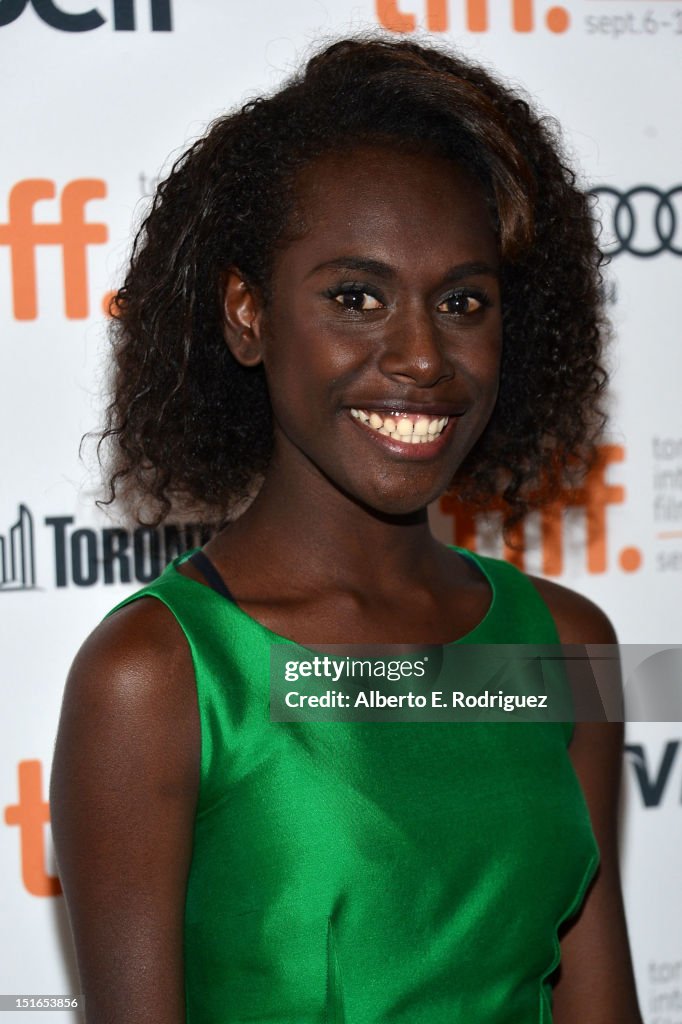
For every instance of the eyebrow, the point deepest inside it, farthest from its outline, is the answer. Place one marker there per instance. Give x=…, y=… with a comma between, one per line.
x=380, y=269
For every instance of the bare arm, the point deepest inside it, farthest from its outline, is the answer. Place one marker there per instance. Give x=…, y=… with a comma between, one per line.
x=595, y=982
x=123, y=793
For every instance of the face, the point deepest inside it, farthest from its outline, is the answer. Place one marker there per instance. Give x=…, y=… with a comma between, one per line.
x=382, y=339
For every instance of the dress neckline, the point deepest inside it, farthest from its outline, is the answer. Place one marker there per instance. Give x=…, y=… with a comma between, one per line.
x=278, y=638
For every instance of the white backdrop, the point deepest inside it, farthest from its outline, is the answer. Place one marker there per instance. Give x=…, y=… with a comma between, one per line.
x=94, y=101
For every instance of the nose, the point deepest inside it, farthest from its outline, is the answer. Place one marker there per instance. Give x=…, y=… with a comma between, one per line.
x=413, y=352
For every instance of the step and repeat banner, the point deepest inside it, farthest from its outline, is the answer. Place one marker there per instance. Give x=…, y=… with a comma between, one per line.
x=97, y=98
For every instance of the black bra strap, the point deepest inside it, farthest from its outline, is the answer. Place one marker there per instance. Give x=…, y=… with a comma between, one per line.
x=208, y=570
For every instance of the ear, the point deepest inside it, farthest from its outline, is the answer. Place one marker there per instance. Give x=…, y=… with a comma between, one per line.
x=242, y=310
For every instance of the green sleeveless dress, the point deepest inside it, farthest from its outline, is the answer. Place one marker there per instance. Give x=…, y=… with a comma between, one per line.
x=373, y=873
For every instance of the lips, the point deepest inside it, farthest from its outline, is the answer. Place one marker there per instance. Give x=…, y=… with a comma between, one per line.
x=412, y=433
x=404, y=427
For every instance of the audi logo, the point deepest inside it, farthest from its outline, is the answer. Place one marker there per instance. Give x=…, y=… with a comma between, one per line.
x=644, y=221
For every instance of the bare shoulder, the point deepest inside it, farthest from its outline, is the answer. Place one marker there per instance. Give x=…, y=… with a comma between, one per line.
x=578, y=620
x=139, y=653
x=130, y=698
x=129, y=722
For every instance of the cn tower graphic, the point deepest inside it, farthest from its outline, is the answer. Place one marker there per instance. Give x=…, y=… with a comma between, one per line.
x=17, y=554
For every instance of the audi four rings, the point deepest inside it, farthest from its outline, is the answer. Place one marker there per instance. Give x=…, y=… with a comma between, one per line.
x=642, y=221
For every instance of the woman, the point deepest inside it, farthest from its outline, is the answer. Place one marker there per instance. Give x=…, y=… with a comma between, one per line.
x=380, y=280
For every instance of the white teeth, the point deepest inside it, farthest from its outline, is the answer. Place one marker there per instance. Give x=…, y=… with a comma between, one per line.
x=401, y=428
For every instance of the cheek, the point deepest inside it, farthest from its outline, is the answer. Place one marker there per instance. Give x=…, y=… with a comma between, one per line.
x=481, y=361
x=311, y=360
x=298, y=374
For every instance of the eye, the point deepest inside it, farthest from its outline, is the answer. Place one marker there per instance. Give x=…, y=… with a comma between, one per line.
x=354, y=297
x=463, y=303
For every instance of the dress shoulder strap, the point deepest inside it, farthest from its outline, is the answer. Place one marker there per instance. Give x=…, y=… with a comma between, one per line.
x=168, y=587
x=199, y=609
x=518, y=613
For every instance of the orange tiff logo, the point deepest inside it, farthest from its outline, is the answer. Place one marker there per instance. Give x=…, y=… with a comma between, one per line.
x=71, y=232
x=593, y=497
x=476, y=16
x=31, y=814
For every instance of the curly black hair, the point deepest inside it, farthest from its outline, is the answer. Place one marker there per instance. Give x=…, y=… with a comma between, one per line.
x=189, y=427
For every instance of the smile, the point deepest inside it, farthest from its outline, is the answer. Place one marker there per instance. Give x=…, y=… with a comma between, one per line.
x=405, y=428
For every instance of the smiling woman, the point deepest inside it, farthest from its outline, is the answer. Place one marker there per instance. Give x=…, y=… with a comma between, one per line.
x=417, y=337
x=378, y=284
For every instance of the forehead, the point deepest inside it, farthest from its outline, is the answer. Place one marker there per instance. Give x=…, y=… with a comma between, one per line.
x=391, y=202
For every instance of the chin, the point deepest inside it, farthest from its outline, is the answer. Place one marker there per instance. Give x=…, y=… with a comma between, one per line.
x=400, y=505
x=392, y=495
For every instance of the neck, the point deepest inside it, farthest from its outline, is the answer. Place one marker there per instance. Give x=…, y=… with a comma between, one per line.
x=310, y=528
